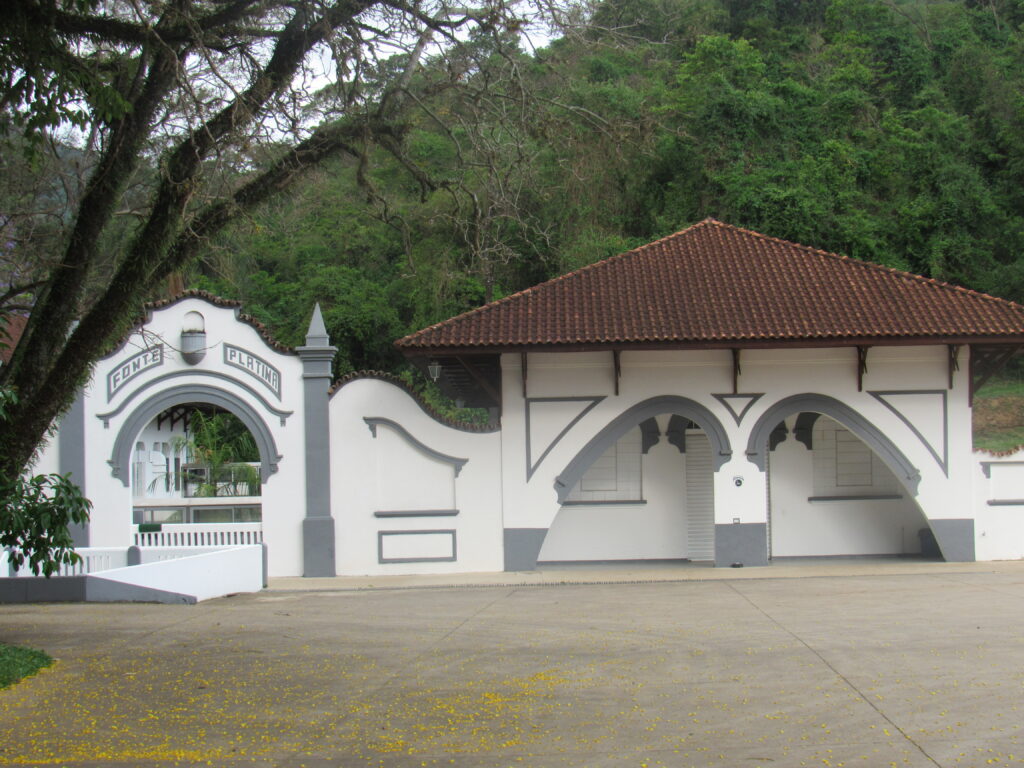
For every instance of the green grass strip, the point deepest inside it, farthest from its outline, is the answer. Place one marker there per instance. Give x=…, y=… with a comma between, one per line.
x=17, y=663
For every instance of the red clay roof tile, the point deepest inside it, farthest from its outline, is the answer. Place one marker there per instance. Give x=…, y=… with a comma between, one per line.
x=714, y=285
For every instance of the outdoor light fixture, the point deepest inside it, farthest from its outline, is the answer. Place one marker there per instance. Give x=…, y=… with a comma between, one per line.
x=193, y=338
x=434, y=369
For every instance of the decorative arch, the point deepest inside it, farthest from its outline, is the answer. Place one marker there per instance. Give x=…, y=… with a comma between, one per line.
x=757, y=445
x=145, y=412
x=721, y=451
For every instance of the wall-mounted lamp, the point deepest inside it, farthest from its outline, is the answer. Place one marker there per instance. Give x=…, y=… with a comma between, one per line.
x=434, y=369
x=193, y=338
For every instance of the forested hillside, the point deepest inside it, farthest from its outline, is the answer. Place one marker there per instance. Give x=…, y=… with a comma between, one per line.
x=889, y=131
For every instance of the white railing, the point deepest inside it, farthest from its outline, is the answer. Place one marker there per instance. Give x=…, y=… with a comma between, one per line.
x=94, y=559
x=200, y=535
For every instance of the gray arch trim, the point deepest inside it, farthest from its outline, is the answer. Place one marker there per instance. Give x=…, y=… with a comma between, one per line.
x=628, y=419
x=374, y=421
x=757, y=446
x=120, y=461
x=106, y=417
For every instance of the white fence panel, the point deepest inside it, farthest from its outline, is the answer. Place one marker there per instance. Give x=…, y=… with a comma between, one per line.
x=94, y=560
x=200, y=535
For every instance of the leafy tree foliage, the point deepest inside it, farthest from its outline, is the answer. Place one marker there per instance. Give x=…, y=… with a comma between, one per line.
x=888, y=130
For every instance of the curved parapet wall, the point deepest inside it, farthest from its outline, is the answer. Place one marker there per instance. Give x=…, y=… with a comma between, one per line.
x=411, y=493
x=427, y=408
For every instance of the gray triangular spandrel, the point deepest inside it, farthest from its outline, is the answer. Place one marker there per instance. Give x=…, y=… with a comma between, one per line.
x=738, y=404
x=925, y=412
x=543, y=434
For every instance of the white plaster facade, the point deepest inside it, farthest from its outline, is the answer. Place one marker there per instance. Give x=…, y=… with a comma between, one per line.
x=410, y=494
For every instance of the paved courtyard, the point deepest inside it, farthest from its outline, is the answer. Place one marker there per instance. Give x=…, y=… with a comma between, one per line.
x=922, y=668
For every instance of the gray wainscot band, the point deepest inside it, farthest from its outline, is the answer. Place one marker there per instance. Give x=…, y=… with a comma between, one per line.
x=447, y=559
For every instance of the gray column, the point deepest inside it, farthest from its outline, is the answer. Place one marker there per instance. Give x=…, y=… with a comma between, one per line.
x=739, y=544
x=318, y=525
x=71, y=458
x=522, y=547
x=955, y=538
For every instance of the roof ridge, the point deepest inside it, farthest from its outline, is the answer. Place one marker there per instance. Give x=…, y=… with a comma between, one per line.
x=554, y=280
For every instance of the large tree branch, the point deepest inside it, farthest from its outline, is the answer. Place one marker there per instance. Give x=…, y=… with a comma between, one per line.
x=113, y=29
x=57, y=304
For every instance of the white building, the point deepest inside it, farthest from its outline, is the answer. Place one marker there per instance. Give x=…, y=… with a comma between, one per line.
x=717, y=395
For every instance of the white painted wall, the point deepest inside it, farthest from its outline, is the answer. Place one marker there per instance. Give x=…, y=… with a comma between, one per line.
x=999, y=527
x=387, y=473
x=202, y=576
x=800, y=527
x=775, y=374
x=664, y=527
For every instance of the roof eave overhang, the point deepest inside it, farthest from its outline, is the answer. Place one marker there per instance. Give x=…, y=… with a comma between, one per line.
x=816, y=343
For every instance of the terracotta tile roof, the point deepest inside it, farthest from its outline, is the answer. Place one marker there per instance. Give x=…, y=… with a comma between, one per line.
x=11, y=328
x=718, y=285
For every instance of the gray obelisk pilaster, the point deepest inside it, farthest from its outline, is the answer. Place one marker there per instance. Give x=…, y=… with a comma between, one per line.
x=318, y=525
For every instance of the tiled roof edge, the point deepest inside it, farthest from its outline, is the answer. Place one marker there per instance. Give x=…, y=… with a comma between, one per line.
x=860, y=262
x=401, y=343
x=428, y=409
x=409, y=342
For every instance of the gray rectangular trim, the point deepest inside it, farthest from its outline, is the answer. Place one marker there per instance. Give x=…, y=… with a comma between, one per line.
x=383, y=560
x=1006, y=502
x=416, y=513
x=986, y=466
x=631, y=503
x=858, y=497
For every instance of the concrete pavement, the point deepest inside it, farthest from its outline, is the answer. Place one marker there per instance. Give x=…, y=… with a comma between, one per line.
x=862, y=664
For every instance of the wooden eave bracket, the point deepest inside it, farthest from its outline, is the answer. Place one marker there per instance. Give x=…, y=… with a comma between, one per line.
x=617, y=363
x=736, y=370
x=954, y=361
x=862, y=366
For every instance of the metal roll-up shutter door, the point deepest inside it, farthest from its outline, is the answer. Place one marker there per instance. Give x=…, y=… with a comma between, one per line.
x=700, y=498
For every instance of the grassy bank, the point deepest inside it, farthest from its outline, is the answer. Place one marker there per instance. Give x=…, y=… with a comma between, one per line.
x=999, y=414
x=17, y=663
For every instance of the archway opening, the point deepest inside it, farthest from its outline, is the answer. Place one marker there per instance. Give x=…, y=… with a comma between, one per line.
x=649, y=495
x=195, y=463
x=831, y=494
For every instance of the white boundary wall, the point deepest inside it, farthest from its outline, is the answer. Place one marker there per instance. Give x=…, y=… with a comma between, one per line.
x=999, y=505
x=409, y=494
x=400, y=506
